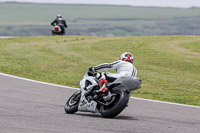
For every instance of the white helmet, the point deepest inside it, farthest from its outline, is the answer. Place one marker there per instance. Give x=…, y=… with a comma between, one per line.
x=59, y=16
x=127, y=56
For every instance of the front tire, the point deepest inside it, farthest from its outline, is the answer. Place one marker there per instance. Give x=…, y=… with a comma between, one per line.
x=117, y=106
x=72, y=103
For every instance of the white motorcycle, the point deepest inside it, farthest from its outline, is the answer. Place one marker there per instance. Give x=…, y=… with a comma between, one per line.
x=99, y=96
x=57, y=30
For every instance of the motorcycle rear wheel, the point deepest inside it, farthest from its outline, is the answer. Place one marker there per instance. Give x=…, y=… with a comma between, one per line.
x=72, y=103
x=117, y=106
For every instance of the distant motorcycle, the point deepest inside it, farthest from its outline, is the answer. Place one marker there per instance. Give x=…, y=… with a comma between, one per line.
x=99, y=96
x=57, y=30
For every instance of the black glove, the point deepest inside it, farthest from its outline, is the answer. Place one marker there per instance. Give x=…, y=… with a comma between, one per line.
x=91, y=71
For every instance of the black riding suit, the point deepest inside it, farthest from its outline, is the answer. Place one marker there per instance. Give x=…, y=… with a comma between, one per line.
x=60, y=22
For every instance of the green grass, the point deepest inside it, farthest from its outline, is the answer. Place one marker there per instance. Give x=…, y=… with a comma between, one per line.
x=29, y=13
x=29, y=19
x=168, y=65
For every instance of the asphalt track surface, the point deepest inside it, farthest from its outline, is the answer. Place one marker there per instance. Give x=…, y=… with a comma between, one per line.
x=32, y=107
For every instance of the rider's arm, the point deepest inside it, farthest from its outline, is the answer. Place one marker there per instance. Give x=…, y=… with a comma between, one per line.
x=134, y=73
x=52, y=23
x=65, y=23
x=107, y=66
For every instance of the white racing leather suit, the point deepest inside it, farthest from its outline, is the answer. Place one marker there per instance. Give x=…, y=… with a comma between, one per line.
x=122, y=68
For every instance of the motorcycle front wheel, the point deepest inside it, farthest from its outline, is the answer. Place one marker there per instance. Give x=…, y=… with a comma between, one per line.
x=72, y=103
x=117, y=106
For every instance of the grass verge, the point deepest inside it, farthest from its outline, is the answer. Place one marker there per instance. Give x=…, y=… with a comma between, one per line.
x=168, y=65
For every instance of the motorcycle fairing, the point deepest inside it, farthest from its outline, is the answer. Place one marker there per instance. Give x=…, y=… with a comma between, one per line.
x=85, y=105
x=59, y=29
x=126, y=83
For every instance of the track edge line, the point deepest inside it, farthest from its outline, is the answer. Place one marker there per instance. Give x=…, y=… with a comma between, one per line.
x=68, y=87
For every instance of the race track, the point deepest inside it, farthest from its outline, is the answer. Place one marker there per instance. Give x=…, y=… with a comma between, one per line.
x=32, y=107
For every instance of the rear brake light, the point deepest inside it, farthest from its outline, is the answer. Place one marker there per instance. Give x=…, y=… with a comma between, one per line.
x=56, y=28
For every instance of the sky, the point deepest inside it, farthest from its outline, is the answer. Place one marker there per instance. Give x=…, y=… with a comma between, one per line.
x=159, y=3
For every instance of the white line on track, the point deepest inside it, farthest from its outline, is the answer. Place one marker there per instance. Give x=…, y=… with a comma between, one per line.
x=56, y=85
x=7, y=36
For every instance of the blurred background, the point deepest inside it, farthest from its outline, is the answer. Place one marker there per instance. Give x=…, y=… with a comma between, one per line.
x=101, y=17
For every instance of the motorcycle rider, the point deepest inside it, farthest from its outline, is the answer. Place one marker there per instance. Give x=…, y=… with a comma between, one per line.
x=60, y=22
x=124, y=67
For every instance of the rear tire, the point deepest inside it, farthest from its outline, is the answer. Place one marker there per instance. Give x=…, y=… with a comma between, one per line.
x=53, y=33
x=72, y=103
x=117, y=106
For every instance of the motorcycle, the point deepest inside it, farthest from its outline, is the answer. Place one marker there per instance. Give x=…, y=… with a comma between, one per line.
x=57, y=30
x=99, y=96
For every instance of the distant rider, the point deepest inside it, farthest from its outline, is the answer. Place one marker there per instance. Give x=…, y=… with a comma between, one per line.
x=60, y=22
x=124, y=67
